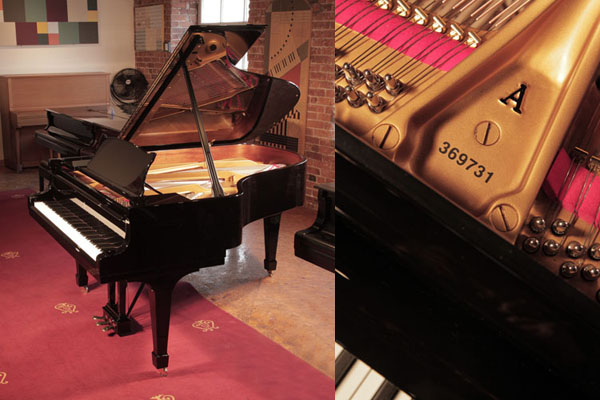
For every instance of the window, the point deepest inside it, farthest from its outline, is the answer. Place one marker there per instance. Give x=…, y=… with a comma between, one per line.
x=225, y=11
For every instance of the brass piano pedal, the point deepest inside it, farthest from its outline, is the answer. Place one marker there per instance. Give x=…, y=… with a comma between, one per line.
x=105, y=322
x=108, y=328
x=95, y=317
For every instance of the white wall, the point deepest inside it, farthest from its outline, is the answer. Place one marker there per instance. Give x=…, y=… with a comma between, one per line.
x=114, y=52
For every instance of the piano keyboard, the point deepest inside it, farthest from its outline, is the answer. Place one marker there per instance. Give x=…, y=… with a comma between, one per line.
x=355, y=380
x=90, y=231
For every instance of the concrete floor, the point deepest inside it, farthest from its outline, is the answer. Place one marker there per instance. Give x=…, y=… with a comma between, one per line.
x=294, y=307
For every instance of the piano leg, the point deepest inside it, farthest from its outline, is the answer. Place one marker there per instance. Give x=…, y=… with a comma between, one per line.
x=81, y=276
x=160, y=313
x=271, y=225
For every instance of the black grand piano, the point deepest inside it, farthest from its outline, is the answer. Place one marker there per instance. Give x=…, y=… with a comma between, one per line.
x=170, y=191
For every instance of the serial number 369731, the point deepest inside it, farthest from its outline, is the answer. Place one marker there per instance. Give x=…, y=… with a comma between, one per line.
x=463, y=160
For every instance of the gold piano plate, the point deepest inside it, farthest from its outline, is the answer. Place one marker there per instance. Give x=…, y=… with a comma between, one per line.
x=485, y=133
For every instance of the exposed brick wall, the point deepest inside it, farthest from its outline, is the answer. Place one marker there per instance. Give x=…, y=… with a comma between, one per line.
x=151, y=62
x=319, y=149
x=320, y=124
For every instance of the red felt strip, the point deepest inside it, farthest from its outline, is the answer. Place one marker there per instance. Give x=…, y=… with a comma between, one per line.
x=555, y=179
x=397, y=33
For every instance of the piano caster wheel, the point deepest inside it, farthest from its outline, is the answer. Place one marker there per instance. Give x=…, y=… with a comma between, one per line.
x=270, y=273
x=85, y=289
x=163, y=371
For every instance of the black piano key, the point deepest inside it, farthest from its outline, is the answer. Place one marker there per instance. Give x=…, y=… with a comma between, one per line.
x=387, y=391
x=91, y=228
x=342, y=364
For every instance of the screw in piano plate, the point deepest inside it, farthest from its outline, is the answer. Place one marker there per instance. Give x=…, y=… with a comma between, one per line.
x=575, y=249
x=568, y=269
x=594, y=251
x=373, y=81
x=504, y=217
x=392, y=85
x=355, y=98
x=385, y=137
x=487, y=133
x=590, y=272
x=550, y=247
x=531, y=245
x=537, y=224
x=560, y=227
x=375, y=103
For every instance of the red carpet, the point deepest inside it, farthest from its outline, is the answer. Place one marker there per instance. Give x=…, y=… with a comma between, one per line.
x=50, y=348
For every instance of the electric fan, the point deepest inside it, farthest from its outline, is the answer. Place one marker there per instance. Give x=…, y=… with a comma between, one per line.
x=127, y=89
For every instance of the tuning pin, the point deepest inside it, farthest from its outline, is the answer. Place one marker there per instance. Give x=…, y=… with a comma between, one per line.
x=340, y=93
x=354, y=97
x=438, y=24
x=353, y=77
x=559, y=227
x=551, y=247
x=392, y=85
x=384, y=4
x=590, y=272
x=375, y=102
x=575, y=249
x=402, y=8
x=531, y=244
x=420, y=16
x=537, y=224
x=472, y=39
x=338, y=72
x=455, y=32
x=568, y=269
x=594, y=251
x=373, y=81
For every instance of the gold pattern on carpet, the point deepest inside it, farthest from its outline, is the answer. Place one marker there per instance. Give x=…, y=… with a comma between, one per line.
x=17, y=196
x=163, y=397
x=205, y=325
x=3, y=380
x=10, y=254
x=66, y=308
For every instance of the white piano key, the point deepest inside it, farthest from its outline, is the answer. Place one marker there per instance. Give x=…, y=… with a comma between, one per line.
x=353, y=379
x=402, y=396
x=338, y=350
x=81, y=242
x=369, y=386
x=99, y=217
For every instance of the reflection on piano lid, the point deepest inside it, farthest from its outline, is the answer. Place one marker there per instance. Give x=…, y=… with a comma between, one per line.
x=142, y=206
x=472, y=127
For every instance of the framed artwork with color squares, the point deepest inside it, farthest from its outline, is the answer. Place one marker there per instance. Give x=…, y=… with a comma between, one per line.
x=48, y=22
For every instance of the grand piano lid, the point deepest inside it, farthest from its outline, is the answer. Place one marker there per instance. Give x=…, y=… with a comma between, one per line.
x=235, y=105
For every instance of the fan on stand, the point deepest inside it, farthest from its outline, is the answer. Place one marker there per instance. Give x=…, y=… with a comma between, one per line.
x=127, y=89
